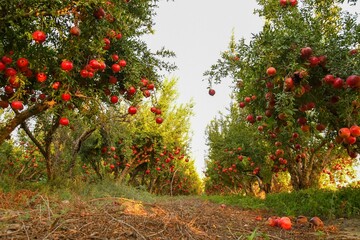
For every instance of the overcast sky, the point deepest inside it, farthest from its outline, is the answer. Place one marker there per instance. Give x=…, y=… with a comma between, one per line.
x=197, y=31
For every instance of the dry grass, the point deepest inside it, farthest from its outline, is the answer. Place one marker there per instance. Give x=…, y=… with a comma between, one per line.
x=30, y=215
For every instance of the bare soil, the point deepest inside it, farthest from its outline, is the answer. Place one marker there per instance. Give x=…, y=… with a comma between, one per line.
x=28, y=216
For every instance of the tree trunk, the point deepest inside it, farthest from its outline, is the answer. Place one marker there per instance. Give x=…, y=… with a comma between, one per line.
x=172, y=181
x=143, y=179
x=154, y=187
x=306, y=173
x=95, y=167
x=45, y=150
x=151, y=184
x=124, y=172
x=132, y=180
x=19, y=118
x=76, y=148
x=33, y=139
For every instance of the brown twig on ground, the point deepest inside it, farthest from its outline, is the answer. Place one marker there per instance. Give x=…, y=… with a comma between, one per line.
x=188, y=218
x=11, y=233
x=232, y=233
x=126, y=224
x=25, y=230
x=53, y=230
x=49, y=211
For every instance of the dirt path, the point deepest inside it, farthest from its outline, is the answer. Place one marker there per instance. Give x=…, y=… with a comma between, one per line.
x=117, y=218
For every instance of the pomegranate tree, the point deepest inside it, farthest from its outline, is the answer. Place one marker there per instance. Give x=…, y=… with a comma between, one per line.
x=306, y=76
x=72, y=48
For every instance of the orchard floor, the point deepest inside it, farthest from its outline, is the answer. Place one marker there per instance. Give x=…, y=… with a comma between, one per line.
x=29, y=216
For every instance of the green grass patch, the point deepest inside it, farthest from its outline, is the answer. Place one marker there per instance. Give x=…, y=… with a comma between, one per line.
x=74, y=189
x=244, y=202
x=326, y=204
x=313, y=202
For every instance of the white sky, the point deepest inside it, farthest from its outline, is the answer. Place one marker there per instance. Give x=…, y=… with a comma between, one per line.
x=197, y=31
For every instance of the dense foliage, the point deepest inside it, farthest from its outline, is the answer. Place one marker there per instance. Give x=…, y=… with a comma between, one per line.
x=297, y=90
x=129, y=149
x=64, y=54
x=86, y=91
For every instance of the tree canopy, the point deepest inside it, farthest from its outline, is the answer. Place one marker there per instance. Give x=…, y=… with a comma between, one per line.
x=298, y=83
x=63, y=54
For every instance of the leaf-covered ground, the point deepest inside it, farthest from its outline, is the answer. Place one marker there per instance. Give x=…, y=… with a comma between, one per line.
x=27, y=215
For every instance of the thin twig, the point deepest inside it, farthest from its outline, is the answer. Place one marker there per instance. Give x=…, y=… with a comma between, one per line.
x=54, y=223
x=231, y=233
x=8, y=218
x=188, y=234
x=85, y=225
x=48, y=207
x=68, y=220
x=180, y=229
x=11, y=233
x=191, y=223
x=130, y=226
x=154, y=234
x=26, y=232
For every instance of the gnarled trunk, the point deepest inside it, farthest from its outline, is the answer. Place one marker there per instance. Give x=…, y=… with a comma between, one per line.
x=19, y=119
x=306, y=173
x=123, y=174
x=76, y=148
x=45, y=148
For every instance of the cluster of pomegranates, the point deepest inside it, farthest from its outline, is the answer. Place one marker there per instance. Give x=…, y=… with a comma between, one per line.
x=286, y=224
x=285, y=3
x=348, y=135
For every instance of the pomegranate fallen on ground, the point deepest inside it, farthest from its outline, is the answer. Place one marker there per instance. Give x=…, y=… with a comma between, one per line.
x=285, y=223
x=301, y=220
x=316, y=223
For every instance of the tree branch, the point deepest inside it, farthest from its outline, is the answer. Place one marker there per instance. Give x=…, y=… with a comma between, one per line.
x=77, y=146
x=32, y=137
x=20, y=118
